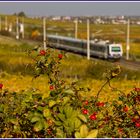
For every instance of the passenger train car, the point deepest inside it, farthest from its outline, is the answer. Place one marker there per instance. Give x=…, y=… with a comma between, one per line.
x=100, y=49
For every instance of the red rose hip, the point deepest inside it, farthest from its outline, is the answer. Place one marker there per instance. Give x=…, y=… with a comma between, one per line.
x=137, y=124
x=60, y=56
x=93, y=117
x=86, y=102
x=42, y=52
x=51, y=87
x=1, y=86
x=85, y=111
x=101, y=104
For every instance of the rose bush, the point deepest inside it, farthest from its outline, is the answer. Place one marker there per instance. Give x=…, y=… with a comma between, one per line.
x=66, y=113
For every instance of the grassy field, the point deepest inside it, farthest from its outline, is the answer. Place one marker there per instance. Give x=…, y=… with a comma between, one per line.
x=16, y=71
x=106, y=30
x=19, y=82
x=114, y=33
x=49, y=106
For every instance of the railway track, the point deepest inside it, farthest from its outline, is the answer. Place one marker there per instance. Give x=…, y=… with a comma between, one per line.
x=132, y=65
x=129, y=64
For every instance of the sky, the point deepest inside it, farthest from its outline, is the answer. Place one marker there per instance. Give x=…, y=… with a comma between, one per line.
x=71, y=8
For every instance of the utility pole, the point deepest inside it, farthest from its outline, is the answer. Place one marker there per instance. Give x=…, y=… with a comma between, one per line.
x=10, y=27
x=0, y=23
x=88, y=40
x=127, y=41
x=22, y=28
x=44, y=33
x=17, y=28
x=6, y=24
x=76, y=28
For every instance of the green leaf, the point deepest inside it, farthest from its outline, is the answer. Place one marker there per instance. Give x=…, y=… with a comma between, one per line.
x=82, y=118
x=71, y=124
x=38, y=71
x=83, y=131
x=58, y=101
x=52, y=93
x=65, y=100
x=92, y=134
x=61, y=117
x=61, y=109
x=1, y=108
x=69, y=91
x=46, y=112
x=77, y=135
x=38, y=126
x=68, y=111
x=16, y=128
x=77, y=123
x=13, y=121
x=66, y=123
x=35, y=119
x=69, y=130
x=58, y=123
x=46, y=125
x=60, y=133
x=37, y=114
x=52, y=103
x=74, y=113
x=40, y=108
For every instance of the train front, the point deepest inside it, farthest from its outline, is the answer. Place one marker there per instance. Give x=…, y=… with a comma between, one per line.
x=115, y=51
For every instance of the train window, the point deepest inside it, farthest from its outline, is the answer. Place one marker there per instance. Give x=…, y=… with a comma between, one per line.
x=108, y=49
x=93, y=47
x=79, y=44
x=115, y=49
x=100, y=48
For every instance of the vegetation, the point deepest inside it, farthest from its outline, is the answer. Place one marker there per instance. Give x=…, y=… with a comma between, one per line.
x=20, y=14
x=114, y=33
x=65, y=95
x=64, y=111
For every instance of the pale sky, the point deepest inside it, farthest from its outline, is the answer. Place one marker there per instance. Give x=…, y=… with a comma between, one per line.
x=71, y=8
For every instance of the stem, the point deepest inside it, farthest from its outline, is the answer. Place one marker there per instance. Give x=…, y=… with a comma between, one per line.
x=98, y=93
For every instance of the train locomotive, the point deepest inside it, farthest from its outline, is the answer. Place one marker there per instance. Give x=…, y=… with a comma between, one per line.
x=100, y=49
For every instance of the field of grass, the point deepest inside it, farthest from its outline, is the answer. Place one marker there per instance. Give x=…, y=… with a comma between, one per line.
x=31, y=107
x=114, y=33
x=107, y=31
x=19, y=82
x=16, y=71
x=14, y=55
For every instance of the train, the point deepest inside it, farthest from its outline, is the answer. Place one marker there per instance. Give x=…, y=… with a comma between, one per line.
x=100, y=49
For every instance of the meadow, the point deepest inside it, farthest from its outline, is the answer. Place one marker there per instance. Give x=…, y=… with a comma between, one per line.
x=65, y=95
x=17, y=68
x=115, y=33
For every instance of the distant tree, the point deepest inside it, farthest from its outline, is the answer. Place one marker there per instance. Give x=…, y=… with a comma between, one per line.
x=21, y=14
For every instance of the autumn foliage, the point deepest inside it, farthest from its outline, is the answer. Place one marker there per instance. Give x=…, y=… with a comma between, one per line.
x=65, y=112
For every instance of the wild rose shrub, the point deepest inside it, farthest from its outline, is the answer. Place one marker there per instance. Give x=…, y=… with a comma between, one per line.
x=65, y=113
